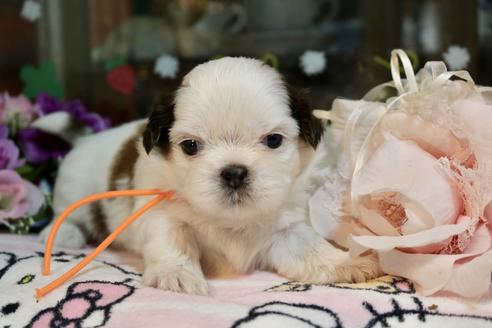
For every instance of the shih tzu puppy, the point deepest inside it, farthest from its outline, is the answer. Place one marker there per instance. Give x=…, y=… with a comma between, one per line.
x=236, y=146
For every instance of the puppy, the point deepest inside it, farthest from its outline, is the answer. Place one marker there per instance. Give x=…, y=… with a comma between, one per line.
x=235, y=146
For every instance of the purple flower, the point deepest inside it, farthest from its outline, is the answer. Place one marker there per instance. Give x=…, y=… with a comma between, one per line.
x=95, y=122
x=48, y=104
x=9, y=155
x=18, y=197
x=40, y=146
x=4, y=131
x=75, y=108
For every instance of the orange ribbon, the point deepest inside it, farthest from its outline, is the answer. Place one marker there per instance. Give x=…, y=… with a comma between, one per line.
x=160, y=196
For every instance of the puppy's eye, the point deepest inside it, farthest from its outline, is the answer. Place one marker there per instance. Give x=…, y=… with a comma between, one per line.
x=273, y=141
x=190, y=147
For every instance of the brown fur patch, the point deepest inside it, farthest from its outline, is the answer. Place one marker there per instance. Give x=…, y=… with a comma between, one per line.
x=121, y=168
x=100, y=227
x=124, y=164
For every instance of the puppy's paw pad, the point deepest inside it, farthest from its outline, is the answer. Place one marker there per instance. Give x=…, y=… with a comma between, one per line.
x=68, y=236
x=180, y=279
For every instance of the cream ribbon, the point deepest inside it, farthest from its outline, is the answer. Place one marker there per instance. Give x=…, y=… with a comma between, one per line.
x=398, y=55
x=437, y=73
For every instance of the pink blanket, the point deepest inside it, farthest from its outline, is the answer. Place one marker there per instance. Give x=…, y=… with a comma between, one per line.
x=109, y=293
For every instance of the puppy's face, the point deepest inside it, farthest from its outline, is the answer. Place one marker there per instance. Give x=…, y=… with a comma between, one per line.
x=234, y=138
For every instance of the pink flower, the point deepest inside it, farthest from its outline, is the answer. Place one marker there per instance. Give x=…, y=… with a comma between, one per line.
x=18, y=197
x=16, y=108
x=417, y=184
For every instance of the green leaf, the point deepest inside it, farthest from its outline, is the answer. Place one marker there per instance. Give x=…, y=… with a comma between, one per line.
x=42, y=79
x=21, y=225
x=270, y=59
x=30, y=172
x=414, y=59
x=113, y=63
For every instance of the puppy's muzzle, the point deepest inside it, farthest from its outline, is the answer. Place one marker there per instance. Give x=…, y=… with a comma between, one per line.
x=234, y=176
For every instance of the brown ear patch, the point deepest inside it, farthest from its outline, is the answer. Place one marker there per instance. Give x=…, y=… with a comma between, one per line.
x=310, y=128
x=161, y=119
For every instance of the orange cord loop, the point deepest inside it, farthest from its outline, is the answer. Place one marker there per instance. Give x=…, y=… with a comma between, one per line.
x=161, y=195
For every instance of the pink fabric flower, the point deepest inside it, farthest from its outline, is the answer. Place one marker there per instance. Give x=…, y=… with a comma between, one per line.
x=17, y=196
x=19, y=108
x=416, y=184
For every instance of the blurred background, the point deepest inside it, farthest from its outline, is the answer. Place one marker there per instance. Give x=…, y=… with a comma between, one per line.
x=116, y=55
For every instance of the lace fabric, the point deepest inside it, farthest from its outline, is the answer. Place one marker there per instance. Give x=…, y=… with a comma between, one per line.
x=412, y=180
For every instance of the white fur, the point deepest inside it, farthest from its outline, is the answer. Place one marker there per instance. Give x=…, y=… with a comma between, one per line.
x=229, y=105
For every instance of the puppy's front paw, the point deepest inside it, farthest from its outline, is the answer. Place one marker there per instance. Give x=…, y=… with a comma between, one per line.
x=326, y=264
x=360, y=269
x=184, y=278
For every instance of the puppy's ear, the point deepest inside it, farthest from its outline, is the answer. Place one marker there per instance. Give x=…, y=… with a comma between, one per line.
x=160, y=121
x=310, y=128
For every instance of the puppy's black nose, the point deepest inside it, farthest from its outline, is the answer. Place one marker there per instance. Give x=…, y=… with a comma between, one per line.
x=234, y=176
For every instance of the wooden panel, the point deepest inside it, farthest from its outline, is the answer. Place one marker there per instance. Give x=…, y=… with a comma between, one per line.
x=65, y=40
x=18, y=45
x=381, y=30
x=459, y=27
x=382, y=21
x=106, y=15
